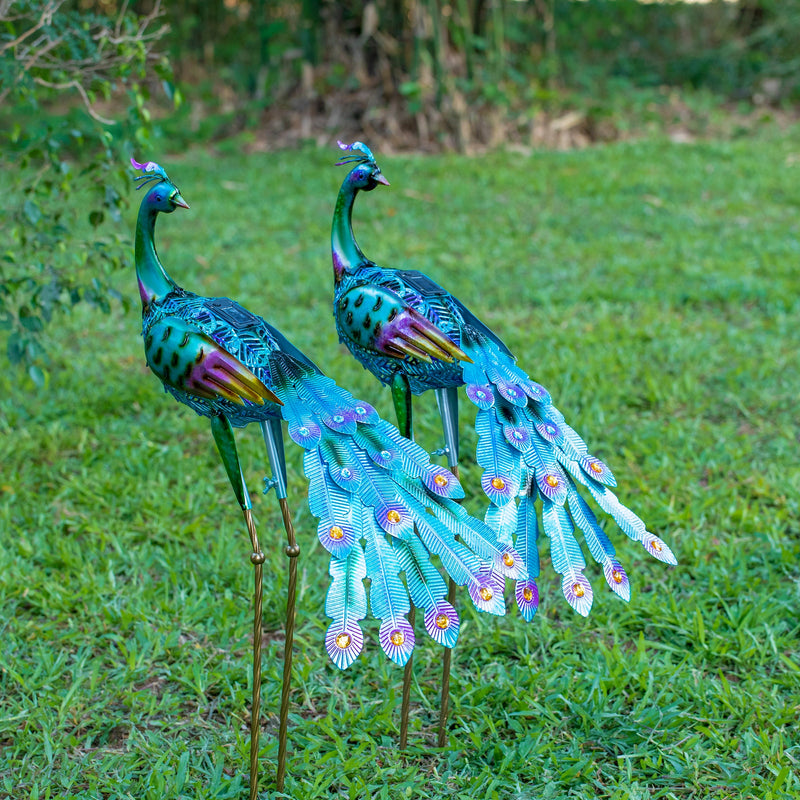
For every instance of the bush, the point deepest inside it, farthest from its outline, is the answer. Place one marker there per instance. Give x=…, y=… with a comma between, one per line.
x=65, y=178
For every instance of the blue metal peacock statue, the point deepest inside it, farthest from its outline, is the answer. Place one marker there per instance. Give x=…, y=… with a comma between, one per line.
x=413, y=335
x=383, y=508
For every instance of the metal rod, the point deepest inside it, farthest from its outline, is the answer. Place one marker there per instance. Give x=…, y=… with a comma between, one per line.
x=403, y=407
x=408, y=673
x=292, y=551
x=447, y=400
x=257, y=558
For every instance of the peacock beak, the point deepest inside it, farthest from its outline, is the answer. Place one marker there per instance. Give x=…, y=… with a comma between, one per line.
x=179, y=201
x=381, y=179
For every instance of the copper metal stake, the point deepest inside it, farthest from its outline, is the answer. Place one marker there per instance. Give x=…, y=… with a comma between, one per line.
x=257, y=557
x=407, y=674
x=292, y=551
x=448, y=655
x=447, y=400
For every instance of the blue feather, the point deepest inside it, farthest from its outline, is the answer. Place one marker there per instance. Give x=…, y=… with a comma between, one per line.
x=388, y=597
x=501, y=463
x=599, y=545
x=427, y=589
x=331, y=505
x=345, y=604
x=566, y=556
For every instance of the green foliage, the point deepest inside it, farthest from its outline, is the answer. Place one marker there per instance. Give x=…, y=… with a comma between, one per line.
x=739, y=50
x=69, y=186
x=518, y=56
x=652, y=287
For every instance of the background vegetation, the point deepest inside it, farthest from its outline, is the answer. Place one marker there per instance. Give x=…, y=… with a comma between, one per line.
x=651, y=287
x=650, y=283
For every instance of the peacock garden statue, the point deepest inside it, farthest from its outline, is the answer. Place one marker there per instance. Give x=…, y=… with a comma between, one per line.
x=413, y=335
x=383, y=507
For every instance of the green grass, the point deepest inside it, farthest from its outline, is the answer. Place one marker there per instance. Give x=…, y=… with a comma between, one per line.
x=652, y=287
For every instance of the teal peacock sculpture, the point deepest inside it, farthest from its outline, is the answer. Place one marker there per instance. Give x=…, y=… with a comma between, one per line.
x=383, y=508
x=413, y=335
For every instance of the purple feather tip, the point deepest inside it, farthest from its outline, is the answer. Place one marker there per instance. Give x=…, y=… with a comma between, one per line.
x=397, y=639
x=487, y=592
x=517, y=436
x=597, y=470
x=527, y=594
x=578, y=592
x=305, y=433
x=365, y=413
x=342, y=145
x=341, y=421
x=442, y=623
x=336, y=537
x=509, y=563
x=537, y=392
x=548, y=430
x=658, y=549
x=147, y=166
x=553, y=485
x=513, y=393
x=499, y=488
x=344, y=643
x=442, y=482
x=481, y=394
x=617, y=579
x=395, y=519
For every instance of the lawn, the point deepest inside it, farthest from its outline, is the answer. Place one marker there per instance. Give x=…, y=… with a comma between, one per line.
x=652, y=287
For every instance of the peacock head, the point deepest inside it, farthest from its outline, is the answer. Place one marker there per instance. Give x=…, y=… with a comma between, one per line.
x=163, y=195
x=366, y=174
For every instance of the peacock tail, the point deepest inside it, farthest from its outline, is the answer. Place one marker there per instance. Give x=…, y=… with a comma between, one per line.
x=528, y=451
x=383, y=510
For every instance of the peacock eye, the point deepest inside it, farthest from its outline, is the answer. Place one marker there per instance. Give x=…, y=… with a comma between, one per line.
x=158, y=198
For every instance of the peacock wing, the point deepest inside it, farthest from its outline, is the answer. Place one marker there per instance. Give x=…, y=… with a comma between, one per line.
x=378, y=319
x=188, y=360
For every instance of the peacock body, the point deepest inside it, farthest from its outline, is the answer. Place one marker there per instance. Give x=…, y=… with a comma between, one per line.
x=400, y=322
x=383, y=507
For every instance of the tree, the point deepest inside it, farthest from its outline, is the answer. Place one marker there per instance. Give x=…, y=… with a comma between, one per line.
x=64, y=171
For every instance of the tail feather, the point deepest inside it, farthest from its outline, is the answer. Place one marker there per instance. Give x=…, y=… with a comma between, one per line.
x=566, y=556
x=501, y=465
x=387, y=596
x=527, y=530
x=632, y=525
x=332, y=507
x=503, y=519
x=346, y=604
x=599, y=545
x=427, y=590
x=385, y=510
x=525, y=443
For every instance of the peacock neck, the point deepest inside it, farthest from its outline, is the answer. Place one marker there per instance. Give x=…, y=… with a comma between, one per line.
x=154, y=283
x=346, y=253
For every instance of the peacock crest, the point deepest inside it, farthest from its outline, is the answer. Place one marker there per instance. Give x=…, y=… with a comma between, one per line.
x=152, y=173
x=358, y=153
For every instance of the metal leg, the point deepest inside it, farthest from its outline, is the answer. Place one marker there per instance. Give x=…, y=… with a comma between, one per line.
x=226, y=445
x=401, y=396
x=257, y=557
x=273, y=439
x=447, y=399
x=292, y=551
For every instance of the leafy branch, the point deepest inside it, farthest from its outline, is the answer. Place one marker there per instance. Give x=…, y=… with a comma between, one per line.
x=66, y=183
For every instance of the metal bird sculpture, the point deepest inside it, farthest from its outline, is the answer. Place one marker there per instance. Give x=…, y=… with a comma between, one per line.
x=383, y=508
x=413, y=335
